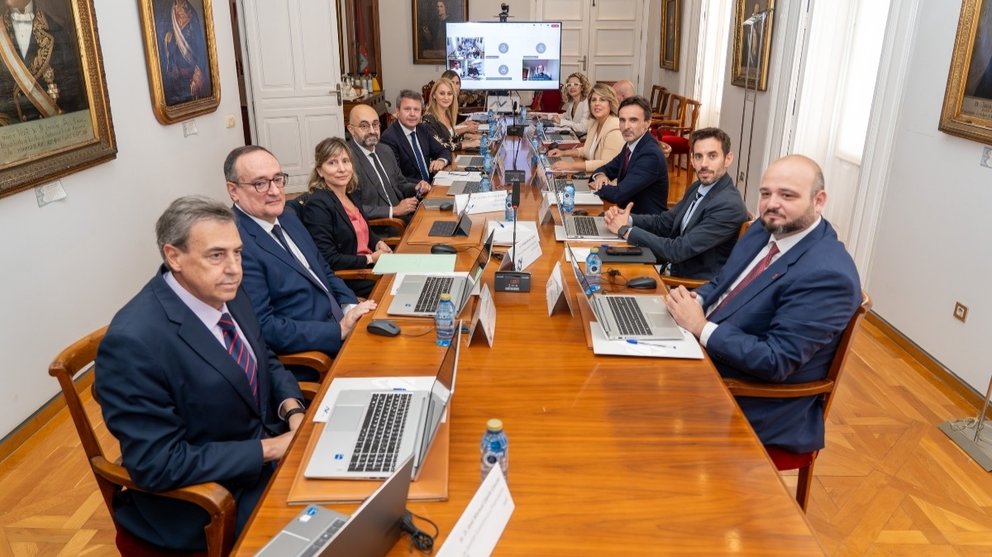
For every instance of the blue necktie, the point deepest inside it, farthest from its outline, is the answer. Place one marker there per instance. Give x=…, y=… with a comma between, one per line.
x=424, y=173
x=336, y=312
x=240, y=352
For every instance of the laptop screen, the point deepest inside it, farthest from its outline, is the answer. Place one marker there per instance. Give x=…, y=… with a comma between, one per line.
x=579, y=275
x=441, y=391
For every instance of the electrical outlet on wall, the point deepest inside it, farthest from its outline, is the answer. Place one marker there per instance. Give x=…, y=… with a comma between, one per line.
x=986, y=157
x=960, y=311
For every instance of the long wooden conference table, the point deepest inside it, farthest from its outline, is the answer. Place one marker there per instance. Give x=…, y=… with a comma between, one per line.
x=608, y=455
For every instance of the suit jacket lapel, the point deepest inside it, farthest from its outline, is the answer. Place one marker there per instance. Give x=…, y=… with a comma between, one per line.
x=266, y=242
x=299, y=234
x=193, y=332
x=706, y=200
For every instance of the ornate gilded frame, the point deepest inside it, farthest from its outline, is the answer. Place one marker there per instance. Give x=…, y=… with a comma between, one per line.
x=967, y=110
x=41, y=150
x=759, y=50
x=671, y=30
x=420, y=54
x=156, y=24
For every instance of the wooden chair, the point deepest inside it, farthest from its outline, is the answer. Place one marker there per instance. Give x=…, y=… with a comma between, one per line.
x=785, y=460
x=426, y=90
x=672, y=282
x=659, y=102
x=675, y=132
x=112, y=478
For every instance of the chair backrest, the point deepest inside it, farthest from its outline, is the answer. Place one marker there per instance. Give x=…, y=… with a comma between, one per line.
x=426, y=90
x=840, y=357
x=676, y=109
x=550, y=101
x=659, y=99
x=690, y=115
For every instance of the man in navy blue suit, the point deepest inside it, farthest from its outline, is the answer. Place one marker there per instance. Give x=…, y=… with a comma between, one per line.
x=777, y=309
x=187, y=384
x=300, y=304
x=639, y=174
x=419, y=154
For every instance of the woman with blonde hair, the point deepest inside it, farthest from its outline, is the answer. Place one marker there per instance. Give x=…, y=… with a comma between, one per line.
x=603, y=140
x=465, y=99
x=335, y=220
x=441, y=117
x=575, y=91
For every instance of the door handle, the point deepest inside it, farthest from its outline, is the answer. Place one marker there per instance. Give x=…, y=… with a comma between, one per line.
x=583, y=60
x=336, y=92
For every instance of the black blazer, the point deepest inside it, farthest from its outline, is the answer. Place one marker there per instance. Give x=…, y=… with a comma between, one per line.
x=328, y=223
x=371, y=198
x=702, y=249
x=395, y=137
x=452, y=142
x=646, y=180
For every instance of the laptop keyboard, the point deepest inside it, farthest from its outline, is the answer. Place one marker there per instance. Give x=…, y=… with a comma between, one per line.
x=443, y=228
x=433, y=288
x=585, y=226
x=471, y=187
x=379, y=439
x=470, y=161
x=629, y=317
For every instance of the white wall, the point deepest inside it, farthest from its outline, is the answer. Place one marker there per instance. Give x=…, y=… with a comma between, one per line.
x=932, y=246
x=68, y=266
x=679, y=82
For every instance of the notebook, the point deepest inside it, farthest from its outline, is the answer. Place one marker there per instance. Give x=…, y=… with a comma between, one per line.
x=418, y=294
x=369, y=432
x=371, y=531
x=623, y=316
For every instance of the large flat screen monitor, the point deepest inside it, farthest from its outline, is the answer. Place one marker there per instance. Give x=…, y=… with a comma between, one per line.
x=519, y=55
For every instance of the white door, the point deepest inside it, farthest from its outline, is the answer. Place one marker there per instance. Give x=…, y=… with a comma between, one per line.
x=600, y=38
x=292, y=75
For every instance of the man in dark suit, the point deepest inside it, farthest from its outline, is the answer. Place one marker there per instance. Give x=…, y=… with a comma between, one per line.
x=300, y=304
x=639, y=174
x=187, y=384
x=383, y=190
x=419, y=154
x=694, y=239
x=777, y=310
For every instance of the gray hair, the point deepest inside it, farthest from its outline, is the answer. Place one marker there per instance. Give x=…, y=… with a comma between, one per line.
x=173, y=226
x=409, y=94
x=231, y=173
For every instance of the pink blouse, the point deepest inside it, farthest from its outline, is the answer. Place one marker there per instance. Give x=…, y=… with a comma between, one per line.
x=361, y=230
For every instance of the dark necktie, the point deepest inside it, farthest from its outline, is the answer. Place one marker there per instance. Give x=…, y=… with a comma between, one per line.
x=382, y=175
x=335, y=306
x=240, y=352
x=424, y=173
x=688, y=212
x=749, y=278
x=626, y=160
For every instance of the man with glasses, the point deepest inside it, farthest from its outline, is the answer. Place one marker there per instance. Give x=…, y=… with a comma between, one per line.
x=383, y=190
x=419, y=154
x=300, y=304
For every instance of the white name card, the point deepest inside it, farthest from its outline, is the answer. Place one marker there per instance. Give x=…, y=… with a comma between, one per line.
x=483, y=202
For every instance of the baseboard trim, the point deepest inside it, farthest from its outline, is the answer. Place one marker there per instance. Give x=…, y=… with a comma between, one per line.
x=942, y=377
x=15, y=439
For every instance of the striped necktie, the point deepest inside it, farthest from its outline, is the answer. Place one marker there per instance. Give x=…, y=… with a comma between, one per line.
x=240, y=351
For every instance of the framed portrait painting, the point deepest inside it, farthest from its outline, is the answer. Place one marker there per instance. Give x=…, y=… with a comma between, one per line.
x=429, y=18
x=54, y=112
x=967, y=110
x=752, y=43
x=671, y=21
x=182, y=58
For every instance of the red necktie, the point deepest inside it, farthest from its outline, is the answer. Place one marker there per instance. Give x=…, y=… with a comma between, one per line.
x=240, y=352
x=626, y=159
x=749, y=278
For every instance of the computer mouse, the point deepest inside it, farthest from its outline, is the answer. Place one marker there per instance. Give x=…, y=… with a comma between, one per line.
x=643, y=283
x=443, y=248
x=446, y=206
x=383, y=327
x=580, y=212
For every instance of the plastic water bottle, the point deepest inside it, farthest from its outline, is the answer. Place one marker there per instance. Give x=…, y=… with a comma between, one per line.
x=490, y=117
x=523, y=114
x=508, y=213
x=495, y=448
x=487, y=162
x=594, y=265
x=484, y=142
x=540, y=130
x=485, y=185
x=568, y=198
x=444, y=320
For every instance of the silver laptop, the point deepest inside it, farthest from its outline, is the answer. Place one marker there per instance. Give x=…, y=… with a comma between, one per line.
x=623, y=316
x=370, y=431
x=463, y=161
x=560, y=137
x=581, y=184
x=371, y=531
x=461, y=187
x=417, y=295
x=581, y=227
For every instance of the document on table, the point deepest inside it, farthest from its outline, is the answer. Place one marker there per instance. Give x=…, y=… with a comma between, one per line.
x=687, y=348
x=481, y=525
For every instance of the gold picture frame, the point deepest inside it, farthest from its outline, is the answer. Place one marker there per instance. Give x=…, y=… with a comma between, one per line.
x=182, y=64
x=967, y=110
x=671, y=23
x=428, y=28
x=752, y=43
x=63, y=124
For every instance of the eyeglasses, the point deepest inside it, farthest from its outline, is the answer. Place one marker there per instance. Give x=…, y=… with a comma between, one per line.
x=366, y=126
x=572, y=84
x=262, y=185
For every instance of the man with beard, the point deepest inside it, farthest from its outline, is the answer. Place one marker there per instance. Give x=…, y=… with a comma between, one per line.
x=777, y=309
x=383, y=190
x=696, y=236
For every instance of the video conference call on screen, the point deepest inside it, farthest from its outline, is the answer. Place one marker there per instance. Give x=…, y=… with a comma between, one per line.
x=517, y=55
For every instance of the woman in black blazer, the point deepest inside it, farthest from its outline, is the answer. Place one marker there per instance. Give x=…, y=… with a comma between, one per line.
x=334, y=219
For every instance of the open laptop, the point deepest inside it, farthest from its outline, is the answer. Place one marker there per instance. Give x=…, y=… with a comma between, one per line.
x=371, y=531
x=458, y=227
x=581, y=184
x=418, y=294
x=560, y=137
x=623, y=316
x=370, y=431
x=581, y=227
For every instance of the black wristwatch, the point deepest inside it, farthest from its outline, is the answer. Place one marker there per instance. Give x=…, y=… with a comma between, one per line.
x=292, y=412
x=622, y=232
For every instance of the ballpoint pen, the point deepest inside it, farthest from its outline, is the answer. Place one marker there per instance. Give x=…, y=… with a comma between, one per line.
x=648, y=343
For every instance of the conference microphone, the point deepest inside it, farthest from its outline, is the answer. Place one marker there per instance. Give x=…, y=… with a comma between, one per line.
x=512, y=280
x=515, y=200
